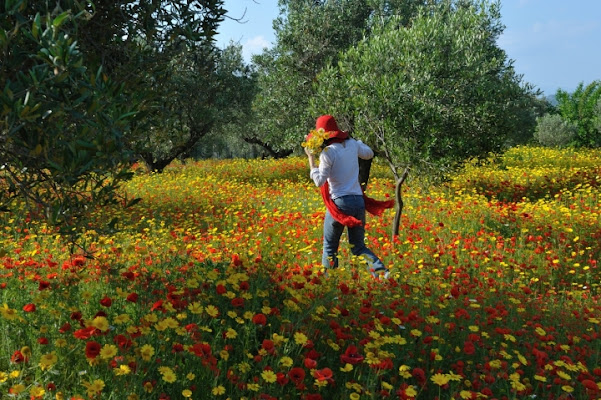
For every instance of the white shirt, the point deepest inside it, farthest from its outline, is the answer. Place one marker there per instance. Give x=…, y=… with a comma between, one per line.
x=339, y=166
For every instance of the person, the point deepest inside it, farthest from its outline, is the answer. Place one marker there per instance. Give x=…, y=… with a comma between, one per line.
x=338, y=177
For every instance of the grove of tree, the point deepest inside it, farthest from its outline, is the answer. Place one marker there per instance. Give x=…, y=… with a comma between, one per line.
x=90, y=87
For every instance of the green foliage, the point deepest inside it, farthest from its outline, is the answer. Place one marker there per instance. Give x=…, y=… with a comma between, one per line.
x=61, y=125
x=553, y=131
x=163, y=53
x=433, y=93
x=310, y=35
x=581, y=109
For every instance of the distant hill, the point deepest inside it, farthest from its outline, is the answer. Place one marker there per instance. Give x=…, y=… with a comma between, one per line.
x=551, y=99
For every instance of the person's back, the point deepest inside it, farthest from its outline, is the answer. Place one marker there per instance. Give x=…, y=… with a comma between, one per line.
x=343, y=178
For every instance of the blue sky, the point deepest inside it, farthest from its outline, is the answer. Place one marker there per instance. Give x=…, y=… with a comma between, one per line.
x=553, y=43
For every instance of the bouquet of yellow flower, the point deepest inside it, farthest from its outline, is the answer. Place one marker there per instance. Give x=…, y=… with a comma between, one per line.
x=314, y=140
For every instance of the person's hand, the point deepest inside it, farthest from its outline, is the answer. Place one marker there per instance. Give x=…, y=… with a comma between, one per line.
x=308, y=153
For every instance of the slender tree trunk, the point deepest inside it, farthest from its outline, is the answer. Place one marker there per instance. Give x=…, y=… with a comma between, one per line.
x=399, y=204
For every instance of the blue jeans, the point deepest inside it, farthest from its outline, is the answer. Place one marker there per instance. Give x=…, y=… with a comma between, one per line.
x=332, y=230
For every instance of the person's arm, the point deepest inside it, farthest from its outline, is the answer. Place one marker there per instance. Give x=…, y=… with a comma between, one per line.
x=364, y=151
x=319, y=174
x=311, y=157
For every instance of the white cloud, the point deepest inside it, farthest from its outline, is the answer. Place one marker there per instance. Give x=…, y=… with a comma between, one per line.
x=254, y=45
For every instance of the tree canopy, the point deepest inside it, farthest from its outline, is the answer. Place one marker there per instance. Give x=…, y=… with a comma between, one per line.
x=431, y=93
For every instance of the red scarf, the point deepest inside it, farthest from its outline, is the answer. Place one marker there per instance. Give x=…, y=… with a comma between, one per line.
x=375, y=207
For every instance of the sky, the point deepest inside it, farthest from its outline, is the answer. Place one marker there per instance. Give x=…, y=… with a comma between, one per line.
x=554, y=44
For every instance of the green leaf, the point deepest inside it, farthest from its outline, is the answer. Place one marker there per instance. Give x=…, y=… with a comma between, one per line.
x=36, y=26
x=58, y=21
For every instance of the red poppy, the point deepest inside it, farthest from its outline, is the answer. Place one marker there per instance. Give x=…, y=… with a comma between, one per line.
x=221, y=289
x=76, y=316
x=29, y=307
x=122, y=341
x=282, y=379
x=244, y=286
x=267, y=344
x=420, y=375
x=315, y=396
x=66, y=327
x=18, y=357
x=92, y=349
x=132, y=297
x=84, y=333
x=324, y=374
x=310, y=363
x=259, y=319
x=296, y=374
x=238, y=302
x=468, y=347
x=351, y=356
x=106, y=301
x=158, y=305
x=590, y=385
x=43, y=340
x=201, y=349
x=236, y=260
x=43, y=285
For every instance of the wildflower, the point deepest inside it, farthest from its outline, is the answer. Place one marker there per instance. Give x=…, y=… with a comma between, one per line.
x=259, y=319
x=146, y=351
x=8, y=313
x=100, y=323
x=323, y=374
x=168, y=374
x=84, y=333
x=269, y=376
x=296, y=375
x=37, y=392
x=17, y=389
x=347, y=368
x=300, y=338
x=212, y=311
x=122, y=370
x=410, y=391
x=48, y=360
x=440, y=379
x=29, y=308
x=218, y=390
x=92, y=349
x=567, y=388
x=404, y=371
x=231, y=333
x=95, y=387
x=315, y=139
x=286, y=361
x=187, y=393
x=121, y=319
x=108, y=351
x=195, y=308
x=351, y=356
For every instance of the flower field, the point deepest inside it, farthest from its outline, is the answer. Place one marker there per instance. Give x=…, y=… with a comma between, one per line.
x=212, y=288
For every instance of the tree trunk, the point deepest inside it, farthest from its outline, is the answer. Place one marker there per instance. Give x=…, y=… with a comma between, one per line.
x=399, y=204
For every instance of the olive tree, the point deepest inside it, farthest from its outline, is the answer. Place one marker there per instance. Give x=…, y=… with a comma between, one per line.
x=580, y=108
x=62, y=123
x=431, y=94
x=310, y=35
